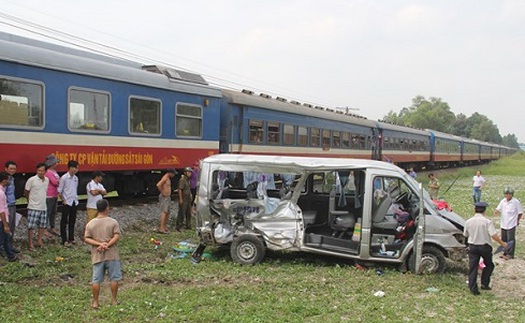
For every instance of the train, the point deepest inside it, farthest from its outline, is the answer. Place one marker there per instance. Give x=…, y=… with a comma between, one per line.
x=133, y=121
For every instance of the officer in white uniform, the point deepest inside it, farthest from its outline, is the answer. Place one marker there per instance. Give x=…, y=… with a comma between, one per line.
x=479, y=230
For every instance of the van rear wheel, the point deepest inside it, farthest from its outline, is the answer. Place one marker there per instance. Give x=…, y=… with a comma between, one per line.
x=432, y=261
x=247, y=249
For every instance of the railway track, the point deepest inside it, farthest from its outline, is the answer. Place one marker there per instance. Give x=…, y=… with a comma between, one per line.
x=114, y=201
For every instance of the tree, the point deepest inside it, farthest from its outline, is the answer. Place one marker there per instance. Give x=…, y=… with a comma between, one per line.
x=436, y=115
x=459, y=128
x=485, y=131
x=425, y=114
x=393, y=118
x=510, y=140
x=481, y=128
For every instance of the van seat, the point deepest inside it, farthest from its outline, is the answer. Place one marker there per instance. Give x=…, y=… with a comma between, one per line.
x=380, y=219
x=309, y=217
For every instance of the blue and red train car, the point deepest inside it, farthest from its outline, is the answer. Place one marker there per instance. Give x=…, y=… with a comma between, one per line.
x=108, y=114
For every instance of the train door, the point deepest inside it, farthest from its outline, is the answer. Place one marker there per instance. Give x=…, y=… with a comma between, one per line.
x=378, y=151
x=230, y=138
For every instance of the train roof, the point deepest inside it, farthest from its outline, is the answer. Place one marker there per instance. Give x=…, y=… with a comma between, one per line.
x=33, y=52
x=308, y=163
x=248, y=98
x=395, y=127
x=440, y=134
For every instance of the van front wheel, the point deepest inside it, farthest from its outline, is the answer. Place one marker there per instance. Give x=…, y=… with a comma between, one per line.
x=247, y=250
x=432, y=261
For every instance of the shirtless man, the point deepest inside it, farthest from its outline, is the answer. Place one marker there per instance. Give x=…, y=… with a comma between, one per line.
x=164, y=187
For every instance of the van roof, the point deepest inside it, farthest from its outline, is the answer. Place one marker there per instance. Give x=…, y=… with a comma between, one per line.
x=309, y=163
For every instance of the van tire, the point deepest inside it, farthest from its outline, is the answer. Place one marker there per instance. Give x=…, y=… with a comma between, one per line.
x=432, y=261
x=247, y=249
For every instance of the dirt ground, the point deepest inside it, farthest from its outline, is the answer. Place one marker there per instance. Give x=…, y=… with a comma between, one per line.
x=507, y=280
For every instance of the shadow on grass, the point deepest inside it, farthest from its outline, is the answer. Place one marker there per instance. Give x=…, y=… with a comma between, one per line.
x=301, y=259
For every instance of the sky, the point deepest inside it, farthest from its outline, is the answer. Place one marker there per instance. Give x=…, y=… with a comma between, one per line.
x=373, y=56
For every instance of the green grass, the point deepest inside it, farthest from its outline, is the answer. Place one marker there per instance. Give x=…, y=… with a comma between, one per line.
x=286, y=287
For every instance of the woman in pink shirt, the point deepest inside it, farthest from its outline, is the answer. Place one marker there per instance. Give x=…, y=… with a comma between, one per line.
x=52, y=193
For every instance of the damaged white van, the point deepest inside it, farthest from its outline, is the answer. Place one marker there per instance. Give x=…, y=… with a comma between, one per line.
x=360, y=209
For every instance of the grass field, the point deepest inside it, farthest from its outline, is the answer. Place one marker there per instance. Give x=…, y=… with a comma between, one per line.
x=286, y=287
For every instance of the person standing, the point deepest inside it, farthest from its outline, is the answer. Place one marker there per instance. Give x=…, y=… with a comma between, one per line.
x=164, y=187
x=477, y=185
x=67, y=191
x=412, y=173
x=479, y=230
x=433, y=186
x=184, y=200
x=35, y=192
x=52, y=192
x=193, y=183
x=95, y=192
x=102, y=233
x=5, y=232
x=10, y=168
x=511, y=212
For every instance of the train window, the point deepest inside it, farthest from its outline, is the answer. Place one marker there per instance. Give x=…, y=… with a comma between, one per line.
x=369, y=142
x=346, y=140
x=188, y=121
x=21, y=104
x=273, y=133
x=336, y=139
x=362, y=141
x=315, y=139
x=144, y=116
x=302, y=136
x=88, y=110
x=256, y=131
x=289, y=135
x=385, y=142
x=326, y=138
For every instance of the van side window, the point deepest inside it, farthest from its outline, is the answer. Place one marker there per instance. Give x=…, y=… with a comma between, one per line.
x=393, y=187
x=340, y=180
x=241, y=185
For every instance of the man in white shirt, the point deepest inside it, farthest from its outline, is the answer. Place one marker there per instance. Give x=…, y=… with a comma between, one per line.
x=35, y=192
x=478, y=183
x=479, y=232
x=67, y=191
x=511, y=212
x=95, y=192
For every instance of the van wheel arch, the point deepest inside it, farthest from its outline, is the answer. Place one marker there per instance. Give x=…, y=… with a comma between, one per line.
x=247, y=249
x=433, y=260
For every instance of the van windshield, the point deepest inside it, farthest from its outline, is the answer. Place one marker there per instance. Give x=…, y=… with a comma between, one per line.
x=426, y=195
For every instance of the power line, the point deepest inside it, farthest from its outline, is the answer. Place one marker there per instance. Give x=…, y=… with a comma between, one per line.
x=74, y=40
